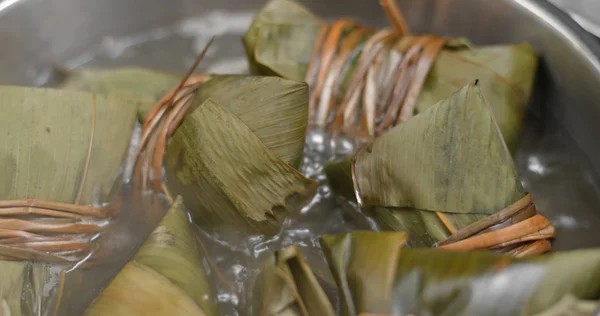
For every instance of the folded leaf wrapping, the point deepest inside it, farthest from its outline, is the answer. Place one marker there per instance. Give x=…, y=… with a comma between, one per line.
x=61, y=152
x=376, y=274
x=166, y=276
x=227, y=176
x=457, y=172
x=287, y=286
x=280, y=124
x=46, y=137
x=281, y=39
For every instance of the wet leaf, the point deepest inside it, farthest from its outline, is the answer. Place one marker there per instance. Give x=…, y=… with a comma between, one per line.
x=377, y=275
x=144, y=85
x=46, y=144
x=171, y=250
x=267, y=41
x=274, y=109
x=227, y=176
x=457, y=161
x=165, y=277
x=141, y=84
x=288, y=286
x=28, y=289
x=458, y=164
x=283, y=34
x=139, y=290
x=11, y=286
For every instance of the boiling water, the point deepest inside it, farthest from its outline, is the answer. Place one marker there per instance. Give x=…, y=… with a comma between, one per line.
x=552, y=169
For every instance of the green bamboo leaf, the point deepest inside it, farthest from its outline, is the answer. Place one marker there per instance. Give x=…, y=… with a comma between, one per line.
x=379, y=277
x=267, y=44
x=28, y=288
x=46, y=143
x=287, y=286
x=171, y=250
x=138, y=83
x=569, y=305
x=11, y=286
x=274, y=109
x=366, y=282
x=145, y=85
x=139, y=290
x=458, y=165
x=458, y=161
x=505, y=73
x=165, y=276
x=283, y=34
x=227, y=176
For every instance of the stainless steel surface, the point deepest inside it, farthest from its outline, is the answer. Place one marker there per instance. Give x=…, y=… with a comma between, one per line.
x=559, y=154
x=584, y=12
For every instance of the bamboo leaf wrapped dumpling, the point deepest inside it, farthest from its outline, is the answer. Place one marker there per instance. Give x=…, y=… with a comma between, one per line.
x=141, y=84
x=372, y=80
x=165, y=277
x=29, y=289
x=404, y=281
x=228, y=177
x=283, y=101
x=62, y=154
x=457, y=186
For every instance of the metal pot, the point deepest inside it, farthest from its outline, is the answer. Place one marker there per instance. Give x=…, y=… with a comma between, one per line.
x=559, y=151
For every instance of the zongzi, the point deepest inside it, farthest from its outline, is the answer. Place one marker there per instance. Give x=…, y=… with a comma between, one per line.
x=63, y=151
x=457, y=187
x=373, y=80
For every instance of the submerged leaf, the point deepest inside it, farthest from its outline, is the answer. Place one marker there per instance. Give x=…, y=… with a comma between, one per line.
x=226, y=174
x=288, y=287
x=376, y=275
x=166, y=276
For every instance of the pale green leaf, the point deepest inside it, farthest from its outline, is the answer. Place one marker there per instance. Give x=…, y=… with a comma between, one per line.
x=138, y=83
x=171, y=250
x=457, y=162
x=288, y=286
x=283, y=34
x=376, y=276
x=227, y=176
x=11, y=287
x=275, y=109
x=268, y=43
x=46, y=137
x=139, y=290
